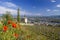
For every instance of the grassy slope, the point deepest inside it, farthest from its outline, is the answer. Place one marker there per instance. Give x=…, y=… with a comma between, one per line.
x=39, y=32
x=43, y=32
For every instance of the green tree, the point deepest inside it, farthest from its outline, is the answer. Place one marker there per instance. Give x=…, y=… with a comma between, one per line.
x=18, y=15
x=7, y=16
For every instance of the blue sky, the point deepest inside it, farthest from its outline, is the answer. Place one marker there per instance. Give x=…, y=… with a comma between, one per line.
x=31, y=7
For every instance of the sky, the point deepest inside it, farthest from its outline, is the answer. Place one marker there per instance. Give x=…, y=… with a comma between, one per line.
x=31, y=7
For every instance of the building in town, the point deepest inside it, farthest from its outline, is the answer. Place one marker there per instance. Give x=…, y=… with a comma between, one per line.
x=25, y=19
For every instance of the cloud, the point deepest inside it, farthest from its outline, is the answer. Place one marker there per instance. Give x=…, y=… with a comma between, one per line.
x=4, y=9
x=58, y=5
x=8, y=4
x=13, y=11
x=56, y=10
x=48, y=10
x=5, y=0
x=53, y=0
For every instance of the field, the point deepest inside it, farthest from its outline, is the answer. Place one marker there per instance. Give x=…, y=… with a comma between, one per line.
x=11, y=29
x=15, y=31
x=42, y=32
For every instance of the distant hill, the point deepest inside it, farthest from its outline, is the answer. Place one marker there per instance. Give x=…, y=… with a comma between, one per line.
x=0, y=14
x=45, y=18
x=28, y=16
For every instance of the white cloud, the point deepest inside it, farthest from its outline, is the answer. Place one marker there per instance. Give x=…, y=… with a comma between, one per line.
x=56, y=10
x=4, y=9
x=53, y=0
x=8, y=4
x=13, y=11
x=48, y=10
x=58, y=5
